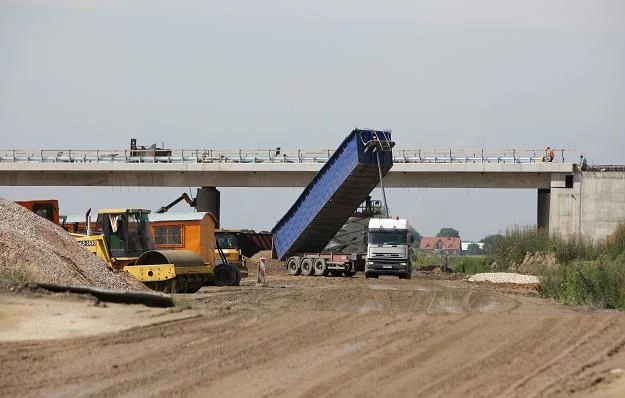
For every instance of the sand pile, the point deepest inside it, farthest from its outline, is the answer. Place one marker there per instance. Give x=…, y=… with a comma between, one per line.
x=505, y=277
x=34, y=249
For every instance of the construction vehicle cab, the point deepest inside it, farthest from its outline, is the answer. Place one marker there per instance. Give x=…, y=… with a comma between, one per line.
x=127, y=233
x=239, y=245
x=46, y=208
x=124, y=241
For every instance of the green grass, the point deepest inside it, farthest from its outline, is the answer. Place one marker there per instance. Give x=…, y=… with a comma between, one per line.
x=586, y=274
x=472, y=264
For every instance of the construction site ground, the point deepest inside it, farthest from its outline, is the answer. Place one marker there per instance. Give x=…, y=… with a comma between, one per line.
x=434, y=335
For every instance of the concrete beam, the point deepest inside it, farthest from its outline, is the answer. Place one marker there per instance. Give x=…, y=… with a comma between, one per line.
x=437, y=175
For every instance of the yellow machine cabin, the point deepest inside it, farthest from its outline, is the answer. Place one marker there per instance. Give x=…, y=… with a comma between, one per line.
x=194, y=231
x=124, y=241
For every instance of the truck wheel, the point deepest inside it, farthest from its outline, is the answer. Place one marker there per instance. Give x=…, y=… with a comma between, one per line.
x=307, y=266
x=350, y=271
x=237, y=279
x=293, y=266
x=225, y=275
x=321, y=267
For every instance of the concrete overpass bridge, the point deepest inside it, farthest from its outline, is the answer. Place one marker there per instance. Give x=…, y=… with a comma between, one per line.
x=571, y=201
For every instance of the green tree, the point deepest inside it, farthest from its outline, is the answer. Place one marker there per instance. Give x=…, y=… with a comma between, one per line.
x=474, y=248
x=449, y=232
x=490, y=242
x=416, y=235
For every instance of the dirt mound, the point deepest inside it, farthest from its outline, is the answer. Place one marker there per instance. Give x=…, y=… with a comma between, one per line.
x=535, y=261
x=34, y=249
x=272, y=264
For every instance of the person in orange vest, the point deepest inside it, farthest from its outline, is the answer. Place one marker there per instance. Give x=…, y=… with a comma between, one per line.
x=550, y=155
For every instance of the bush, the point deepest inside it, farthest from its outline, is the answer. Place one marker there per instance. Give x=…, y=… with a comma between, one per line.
x=598, y=283
x=512, y=248
x=470, y=264
x=588, y=273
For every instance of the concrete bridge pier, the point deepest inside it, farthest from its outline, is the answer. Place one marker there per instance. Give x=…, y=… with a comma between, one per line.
x=207, y=199
x=588, y=203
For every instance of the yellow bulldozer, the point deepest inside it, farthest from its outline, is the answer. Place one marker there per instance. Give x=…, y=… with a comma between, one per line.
x=123, y=239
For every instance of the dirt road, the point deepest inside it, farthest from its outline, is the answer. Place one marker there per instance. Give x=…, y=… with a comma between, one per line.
x=311, y=337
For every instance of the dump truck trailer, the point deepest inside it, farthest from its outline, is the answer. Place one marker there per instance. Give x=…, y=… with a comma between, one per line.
x=326, y=204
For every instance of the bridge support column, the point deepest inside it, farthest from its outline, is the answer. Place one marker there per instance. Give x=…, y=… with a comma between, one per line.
x=207, y=199
x=565, y=205
x=542, y=220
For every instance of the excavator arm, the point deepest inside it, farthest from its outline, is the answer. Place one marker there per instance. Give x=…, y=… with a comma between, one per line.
x=184, y=197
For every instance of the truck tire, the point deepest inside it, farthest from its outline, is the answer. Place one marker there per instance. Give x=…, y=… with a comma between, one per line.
x=293, y=266
x=237, y=279
x=225, y=275
x=350, y=271
x=308, y=268
x=321, y=267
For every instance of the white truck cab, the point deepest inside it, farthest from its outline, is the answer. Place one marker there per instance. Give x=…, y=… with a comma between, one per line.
x=389, y=248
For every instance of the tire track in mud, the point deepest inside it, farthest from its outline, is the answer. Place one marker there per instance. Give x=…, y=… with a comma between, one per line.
x=329, y=337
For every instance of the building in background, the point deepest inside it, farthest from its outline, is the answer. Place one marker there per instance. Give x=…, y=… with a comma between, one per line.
x=441, y=244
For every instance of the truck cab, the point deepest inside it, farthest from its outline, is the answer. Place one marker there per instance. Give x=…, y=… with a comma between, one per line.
x=389, y=248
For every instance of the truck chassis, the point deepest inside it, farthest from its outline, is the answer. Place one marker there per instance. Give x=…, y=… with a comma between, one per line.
x=324, y=264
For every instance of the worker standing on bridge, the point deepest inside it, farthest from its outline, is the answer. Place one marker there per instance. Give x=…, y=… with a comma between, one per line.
x=550, y=154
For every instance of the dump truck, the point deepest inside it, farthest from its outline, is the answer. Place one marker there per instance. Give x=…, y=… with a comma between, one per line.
x=344, y=182
x=389, y=248
x=124, y=240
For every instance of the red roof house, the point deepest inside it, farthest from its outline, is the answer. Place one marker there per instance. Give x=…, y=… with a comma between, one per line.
x=441, y=244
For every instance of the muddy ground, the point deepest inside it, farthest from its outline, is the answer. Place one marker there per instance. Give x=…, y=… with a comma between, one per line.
x=434, y=335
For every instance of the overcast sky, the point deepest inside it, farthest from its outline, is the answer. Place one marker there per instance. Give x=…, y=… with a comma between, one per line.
x=452, y=74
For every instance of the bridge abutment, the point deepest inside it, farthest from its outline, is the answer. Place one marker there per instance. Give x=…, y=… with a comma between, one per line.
x=591, y=204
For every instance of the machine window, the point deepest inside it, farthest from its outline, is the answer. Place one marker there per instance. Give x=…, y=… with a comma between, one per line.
x=171, y=236
x=388, y=237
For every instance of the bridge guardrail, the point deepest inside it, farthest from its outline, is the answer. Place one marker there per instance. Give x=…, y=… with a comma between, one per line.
x=274, y=156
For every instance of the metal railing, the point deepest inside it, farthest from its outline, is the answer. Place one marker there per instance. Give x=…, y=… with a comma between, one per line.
x=277, y=155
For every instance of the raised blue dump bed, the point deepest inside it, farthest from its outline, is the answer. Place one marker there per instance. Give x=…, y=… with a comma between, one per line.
x=334, y=193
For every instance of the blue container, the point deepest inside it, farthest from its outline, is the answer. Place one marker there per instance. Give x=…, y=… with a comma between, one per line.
x=333, y=195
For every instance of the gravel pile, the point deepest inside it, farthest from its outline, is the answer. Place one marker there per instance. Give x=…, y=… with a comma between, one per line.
x=505, y=277
x=34, y=249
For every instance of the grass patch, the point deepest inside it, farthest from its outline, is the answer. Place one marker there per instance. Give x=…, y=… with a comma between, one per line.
x=586, y=273
x=597, y=283
x=470, y=264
